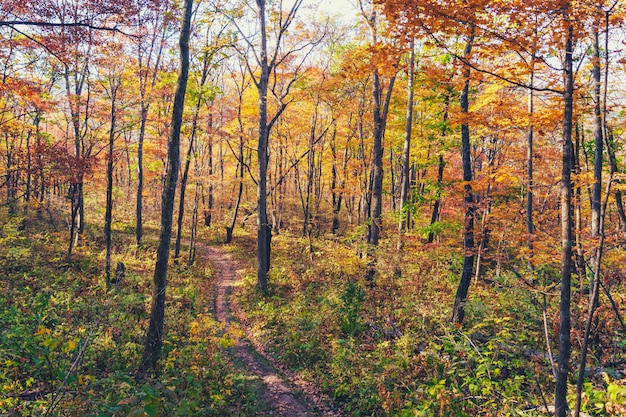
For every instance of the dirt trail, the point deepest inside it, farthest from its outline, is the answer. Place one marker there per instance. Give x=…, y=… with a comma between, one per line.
x=279, y=389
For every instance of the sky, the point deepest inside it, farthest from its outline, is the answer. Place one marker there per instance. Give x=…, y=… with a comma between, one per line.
x=345, y=8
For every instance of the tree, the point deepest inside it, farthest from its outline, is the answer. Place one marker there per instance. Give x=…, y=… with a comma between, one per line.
x=380, y=109
x=458, y=312
x=154, y=336
x=406, y=154
x=263, y=70
x=154, y=22
x=203, y=94
x=560, y=401
x=112, y=86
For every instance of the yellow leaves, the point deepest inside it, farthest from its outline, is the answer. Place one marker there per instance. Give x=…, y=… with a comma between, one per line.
x=70, y=346
x=505, y=177
x=41, y=330
x=226, y=342
x=194, y=329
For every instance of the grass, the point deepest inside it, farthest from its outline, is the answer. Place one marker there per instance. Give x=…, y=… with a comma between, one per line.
x=386, y=348
x=70, y=348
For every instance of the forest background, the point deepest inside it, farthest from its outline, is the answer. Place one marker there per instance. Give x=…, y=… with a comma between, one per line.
x=425, y=198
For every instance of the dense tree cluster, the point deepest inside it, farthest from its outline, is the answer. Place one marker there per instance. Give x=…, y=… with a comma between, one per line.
x=495, y=128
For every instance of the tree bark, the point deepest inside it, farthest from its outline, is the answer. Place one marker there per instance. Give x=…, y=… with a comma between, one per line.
x=406, y=151
x=154, y=337
x=458, y=312
x=263, y=227
x=560, y=402
x=597, y=136
x=108, y=215
x=139, y=201
x=183, y=181
x=593, y=300
x=441, y=166
x=144, y=103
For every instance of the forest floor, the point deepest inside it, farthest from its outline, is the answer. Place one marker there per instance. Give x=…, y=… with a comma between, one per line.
x=289, y=395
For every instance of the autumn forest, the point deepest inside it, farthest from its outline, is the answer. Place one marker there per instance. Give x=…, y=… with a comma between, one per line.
x=240, y=208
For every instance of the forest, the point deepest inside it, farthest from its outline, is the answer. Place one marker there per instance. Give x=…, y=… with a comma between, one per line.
x=260, y=208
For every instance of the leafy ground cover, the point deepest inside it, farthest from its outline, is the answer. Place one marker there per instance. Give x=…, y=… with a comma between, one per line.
x=384, y=347
x=378, y=347
x=69, y=347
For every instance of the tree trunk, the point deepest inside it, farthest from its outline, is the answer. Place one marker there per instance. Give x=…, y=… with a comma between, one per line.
x=380, y=118
x=209, y=213
x=437, y=204
x=596, y=193
x=380, y=107
x=406, y=154
x=183, y=181
x=560, y=402
x=530, y=226
x=194, y=226
x=458, y=313
x=229, y=229
x=263, y=227
x=139, y=203
x=593, y=300
x=108, y=215
x=154, y=337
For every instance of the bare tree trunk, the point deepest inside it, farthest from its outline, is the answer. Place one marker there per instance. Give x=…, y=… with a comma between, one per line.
x=610, y=147
x=264, y=231
x=144, y=103
x=380, y=108
x=458, y=312
x=593, y=300
x=598, y=137
x=560, y=402
x=108, y=216
x=183, y=181
x=229, y=229
x=139, y=202
x=154, y=337
x=194, y=226
x=530, y=136
x=437, y=204
x=406, y=154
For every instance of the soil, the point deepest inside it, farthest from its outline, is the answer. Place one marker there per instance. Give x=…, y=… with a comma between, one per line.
x=289, y=395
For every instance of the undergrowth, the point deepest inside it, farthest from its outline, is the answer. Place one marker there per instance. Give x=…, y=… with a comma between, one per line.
x=69, y=347
x=384, y=347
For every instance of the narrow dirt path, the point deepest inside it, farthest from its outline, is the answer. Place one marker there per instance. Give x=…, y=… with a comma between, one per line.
x=279, y=389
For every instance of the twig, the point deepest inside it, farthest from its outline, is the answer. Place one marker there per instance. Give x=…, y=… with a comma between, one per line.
x=547, y=335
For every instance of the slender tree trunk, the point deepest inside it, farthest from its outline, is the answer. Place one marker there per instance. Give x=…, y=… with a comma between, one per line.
x=458, y=313
x=336, y=182
x=380, y=117
x=441, y=165
x=210, y=199
x=183, y=181
x=144, y=102
x=229, y=229
x=139, y=202
x=380, y=109
x=108, y=215
x=530, y=137
x=560, y=401
x=194, y=225
x=598, y=137
x=27, y=193
x=483, y=243
x=154, y=337
x=406, y=154
x=306, y=201
x=263, y=226
x=579, y=258
x=593, y=300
